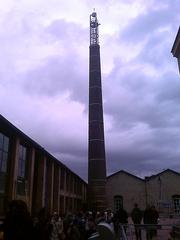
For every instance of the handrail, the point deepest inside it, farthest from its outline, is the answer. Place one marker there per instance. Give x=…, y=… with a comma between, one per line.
x=125, y=230
x=124, y=237
x=149, y=225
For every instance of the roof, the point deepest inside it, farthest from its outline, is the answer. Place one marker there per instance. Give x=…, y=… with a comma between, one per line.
x=127, y=173
x=146, y=178
x=35, y=144
x=176, y=46
x=161, y=173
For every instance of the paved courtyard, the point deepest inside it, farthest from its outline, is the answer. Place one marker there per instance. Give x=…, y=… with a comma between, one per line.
x=162, y=234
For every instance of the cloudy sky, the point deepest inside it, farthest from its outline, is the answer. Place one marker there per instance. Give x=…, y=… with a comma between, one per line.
x=44, y=79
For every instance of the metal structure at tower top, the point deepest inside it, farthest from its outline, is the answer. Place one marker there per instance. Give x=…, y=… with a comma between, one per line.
x=94, y=33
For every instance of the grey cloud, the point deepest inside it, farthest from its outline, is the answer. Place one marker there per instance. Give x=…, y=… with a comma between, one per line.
x=170, y=89
x=63, y=145
x=152, y=101
x=155, y=30
x=132, y=95
x=147, y=23
x=70, y=32
x=157, y=50
x=75, y=163
x=140, y=97
x=57, y=75
x=140, y=160
x=78, y=167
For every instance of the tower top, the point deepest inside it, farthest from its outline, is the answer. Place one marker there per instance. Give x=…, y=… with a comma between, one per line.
x=94, y=33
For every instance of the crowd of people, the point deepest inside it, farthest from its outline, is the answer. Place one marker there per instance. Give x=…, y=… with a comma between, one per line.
x=19, y=225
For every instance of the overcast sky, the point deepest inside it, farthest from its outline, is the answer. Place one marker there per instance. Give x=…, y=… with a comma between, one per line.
x=44, y=47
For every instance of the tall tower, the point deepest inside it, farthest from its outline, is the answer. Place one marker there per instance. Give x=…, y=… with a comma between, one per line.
x=96, y=145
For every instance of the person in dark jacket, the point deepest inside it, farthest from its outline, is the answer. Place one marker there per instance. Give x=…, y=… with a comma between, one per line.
x=120, y=217
x=43, y=227
x=151, y=217
x=136, y=216
x=18, y=224
x=91, y=227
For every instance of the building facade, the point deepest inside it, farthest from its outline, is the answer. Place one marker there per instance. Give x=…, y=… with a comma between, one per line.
x=125, y=189
x=96, y=145
x=28, y=172
x=176, y=48
x=161, y=190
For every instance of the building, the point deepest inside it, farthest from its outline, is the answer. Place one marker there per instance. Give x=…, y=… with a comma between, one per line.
x=161, y=190
x=124, y=189
x=176, y=48
x=30, y=173
x=96, y=145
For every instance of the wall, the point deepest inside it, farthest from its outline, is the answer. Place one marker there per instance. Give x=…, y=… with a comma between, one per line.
x=162, y=187
x=155, y=190
x=132, y=190
x=42, y=184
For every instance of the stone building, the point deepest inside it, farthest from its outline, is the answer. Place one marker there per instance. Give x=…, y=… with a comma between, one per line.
x=123, y=188
x=161, y=190
x=176, y=48
x=30, y=173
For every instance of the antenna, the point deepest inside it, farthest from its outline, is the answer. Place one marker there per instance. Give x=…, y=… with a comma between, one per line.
x=94, y=32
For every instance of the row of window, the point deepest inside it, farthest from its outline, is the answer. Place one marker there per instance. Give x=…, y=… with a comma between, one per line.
x=67, y=203
x=72, y=184
x=4, y=159
x=4, y=149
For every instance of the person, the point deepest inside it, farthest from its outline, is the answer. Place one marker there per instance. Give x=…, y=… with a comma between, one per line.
x=109, y=217
x=57, y=228
x=90, y=227
x=120, y=217
x=43, y=226
x=70, y=228
x=136, y=216
x=81, y=223
x=18, y=224
x=151, y=217
x=100, y=217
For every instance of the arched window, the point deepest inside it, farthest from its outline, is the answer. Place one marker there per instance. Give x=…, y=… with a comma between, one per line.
x=118, y=202
x=176, y=203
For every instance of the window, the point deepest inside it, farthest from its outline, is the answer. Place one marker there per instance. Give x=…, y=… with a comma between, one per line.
x=4, y=146
x=62, y=178
x=118, y=202
x=176, y=202
x=62, y=204
x=21, y=183
x=67, y=181
x=22, y=161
